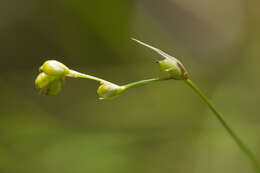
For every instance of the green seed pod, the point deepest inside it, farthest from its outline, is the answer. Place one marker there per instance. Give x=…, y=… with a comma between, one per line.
x=54, y=68
x=170, y=65
x=109, y=91
x=173, y=69
x=43, y=80
x=49, y=85
x=55, y=87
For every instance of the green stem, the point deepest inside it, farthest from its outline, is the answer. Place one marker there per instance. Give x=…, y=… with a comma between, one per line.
x=142, y=82
x=75, y=74
x=238, y=141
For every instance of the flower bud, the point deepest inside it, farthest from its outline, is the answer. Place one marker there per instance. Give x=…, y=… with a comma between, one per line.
x=173, y=68
x=49, y=85
x=170, y=65
x=109, y=90
x=55, y=87
x=54, y=68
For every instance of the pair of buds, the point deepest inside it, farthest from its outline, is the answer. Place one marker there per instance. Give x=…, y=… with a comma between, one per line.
x=53, y=73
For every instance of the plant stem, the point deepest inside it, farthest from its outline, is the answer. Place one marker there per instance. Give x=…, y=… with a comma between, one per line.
x=238, y=141
x=75, y=74
x=142, y=82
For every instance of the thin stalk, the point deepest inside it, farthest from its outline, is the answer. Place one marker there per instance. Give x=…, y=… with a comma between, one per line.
x=75, y=74
x=234, y=136
x=142, y=82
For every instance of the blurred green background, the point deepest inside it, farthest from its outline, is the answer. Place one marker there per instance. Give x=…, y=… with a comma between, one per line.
x=163, y=127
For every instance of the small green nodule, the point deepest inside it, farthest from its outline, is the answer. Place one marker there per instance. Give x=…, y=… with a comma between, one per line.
x=109, y=90
x=173, y=68
x=170, y=65
x=54, y=68
x=52, y=78
x=49, y=85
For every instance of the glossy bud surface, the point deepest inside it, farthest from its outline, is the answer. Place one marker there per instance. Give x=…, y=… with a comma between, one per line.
x=173, y=68
x=54, y=68
x=109, y=91
x=49, y=85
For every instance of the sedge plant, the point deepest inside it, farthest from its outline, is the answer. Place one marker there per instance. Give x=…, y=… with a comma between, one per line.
x=53, y=75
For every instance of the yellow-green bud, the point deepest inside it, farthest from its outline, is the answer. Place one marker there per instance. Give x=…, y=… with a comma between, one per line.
x=49, y=85
x=109, y=90
x=173, y=68
x=43, y=80
x=170, y=65
x=54, y=68
x=55, y=87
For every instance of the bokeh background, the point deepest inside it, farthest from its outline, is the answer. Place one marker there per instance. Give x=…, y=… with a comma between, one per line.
x=163, y=127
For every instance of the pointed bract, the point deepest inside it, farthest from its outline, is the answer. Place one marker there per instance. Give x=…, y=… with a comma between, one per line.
x=169, y=64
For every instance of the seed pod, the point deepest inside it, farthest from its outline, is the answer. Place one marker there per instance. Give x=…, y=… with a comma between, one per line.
x=170, y=65
x=54, y=68
x=43, y=80
x=109, y=90
x=49, y=85
x=55, y=87
x=173, y=69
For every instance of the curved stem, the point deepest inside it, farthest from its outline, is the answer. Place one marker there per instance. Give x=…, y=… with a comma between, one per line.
x=142, y=82
x=234, y=136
